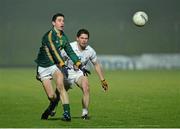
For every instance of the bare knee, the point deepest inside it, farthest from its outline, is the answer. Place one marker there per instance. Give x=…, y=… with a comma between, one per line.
x=59, y=82
x=51, y=96
x=60, y=86
x=49, y=89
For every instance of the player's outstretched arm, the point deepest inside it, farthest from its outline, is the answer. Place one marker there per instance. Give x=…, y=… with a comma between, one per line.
x=101, y=76
x=104, y=85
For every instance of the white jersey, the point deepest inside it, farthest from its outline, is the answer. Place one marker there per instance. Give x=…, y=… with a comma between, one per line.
x=85, y=56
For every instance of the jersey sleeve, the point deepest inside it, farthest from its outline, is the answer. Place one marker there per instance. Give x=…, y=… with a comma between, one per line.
x=68, y=49
x=93, y=57
x=64, y=55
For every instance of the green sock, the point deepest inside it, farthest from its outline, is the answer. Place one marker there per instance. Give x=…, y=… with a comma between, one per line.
x=66, y=108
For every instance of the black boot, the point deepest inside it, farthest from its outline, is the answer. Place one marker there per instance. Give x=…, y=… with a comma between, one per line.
x=51, y=108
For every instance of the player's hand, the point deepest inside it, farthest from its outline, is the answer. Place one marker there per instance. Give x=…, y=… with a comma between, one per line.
x=65, y=69
x=104, y=85
x=84, y=70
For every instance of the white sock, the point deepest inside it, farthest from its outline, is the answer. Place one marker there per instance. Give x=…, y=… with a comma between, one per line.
x=84, y=111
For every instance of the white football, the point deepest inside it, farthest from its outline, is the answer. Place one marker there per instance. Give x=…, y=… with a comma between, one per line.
x=140, y=18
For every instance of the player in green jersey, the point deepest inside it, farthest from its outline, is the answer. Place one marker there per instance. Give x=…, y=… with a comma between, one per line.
x=50, y=65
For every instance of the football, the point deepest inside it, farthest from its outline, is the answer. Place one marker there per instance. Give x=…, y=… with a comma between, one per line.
x=140, y=18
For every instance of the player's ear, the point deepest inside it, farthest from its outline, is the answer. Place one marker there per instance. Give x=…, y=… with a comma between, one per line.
x=53, y=23
x=77, y=38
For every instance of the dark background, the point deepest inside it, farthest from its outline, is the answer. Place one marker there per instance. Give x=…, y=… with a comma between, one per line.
x=23, y=22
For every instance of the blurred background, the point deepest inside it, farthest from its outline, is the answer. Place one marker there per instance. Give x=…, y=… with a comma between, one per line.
x=112, y=32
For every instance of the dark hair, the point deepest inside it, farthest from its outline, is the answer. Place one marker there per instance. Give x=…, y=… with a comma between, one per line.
x=82, y=31
x=57, y=15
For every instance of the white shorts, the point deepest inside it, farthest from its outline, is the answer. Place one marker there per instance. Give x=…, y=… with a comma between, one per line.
x=73, y=77
x=47, y=72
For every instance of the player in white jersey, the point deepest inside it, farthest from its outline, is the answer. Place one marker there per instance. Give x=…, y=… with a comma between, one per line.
x=86, y=53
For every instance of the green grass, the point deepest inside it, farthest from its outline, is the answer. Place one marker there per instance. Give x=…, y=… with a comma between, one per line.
x=135, y=99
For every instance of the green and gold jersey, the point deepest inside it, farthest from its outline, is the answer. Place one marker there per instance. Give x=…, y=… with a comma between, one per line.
x=49, y=53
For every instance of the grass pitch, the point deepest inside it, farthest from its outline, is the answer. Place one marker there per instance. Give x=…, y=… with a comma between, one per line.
x=135, y=99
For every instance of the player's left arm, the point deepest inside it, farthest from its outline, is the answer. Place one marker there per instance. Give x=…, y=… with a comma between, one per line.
x=70, y=52
x=99, y=71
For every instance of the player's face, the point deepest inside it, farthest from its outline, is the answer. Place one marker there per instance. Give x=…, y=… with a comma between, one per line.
x=59, y=23
x=83, y=40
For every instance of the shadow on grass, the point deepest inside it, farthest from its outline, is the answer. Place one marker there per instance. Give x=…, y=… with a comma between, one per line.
x=59, y=118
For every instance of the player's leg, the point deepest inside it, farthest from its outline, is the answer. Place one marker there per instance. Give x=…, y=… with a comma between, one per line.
x=52, y=98
x=56, y=102
x=59, y=78
x=53, y=111
x=84, y=85
x=67, y=84
x=45, y=77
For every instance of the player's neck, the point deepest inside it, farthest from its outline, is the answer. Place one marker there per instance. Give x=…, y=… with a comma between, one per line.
x=58, y=31
x=81, y=48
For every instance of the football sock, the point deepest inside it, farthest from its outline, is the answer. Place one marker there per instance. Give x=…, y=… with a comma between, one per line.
x=66, y=108
x=84, y=111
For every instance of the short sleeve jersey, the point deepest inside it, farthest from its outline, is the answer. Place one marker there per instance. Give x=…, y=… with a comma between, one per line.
x=84, y=56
